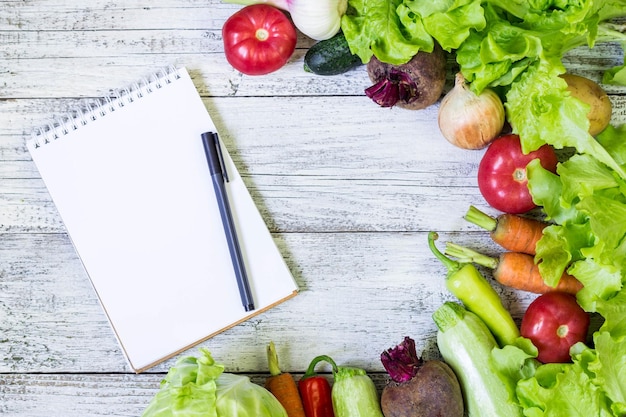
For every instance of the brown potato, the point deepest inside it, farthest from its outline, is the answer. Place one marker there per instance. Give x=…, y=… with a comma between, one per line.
x=592, y=94
x=434, y=391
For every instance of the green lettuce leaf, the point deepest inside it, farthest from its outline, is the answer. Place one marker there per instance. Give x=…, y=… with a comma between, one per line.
x=514, y=363
x=609, y=368
x=587, y=202
x=562, y=390
x=582, y=176
x=613, y=309
x=616, y=75
x=606, y=362
x=613, y=139
x=395, y=30
x=497, y=55
x=600, y=282
x=449, y=22
x=559, y=247
x=375, y=27
x=541, y=111
x=188, y=390
x=591, y=385
x=607, y=218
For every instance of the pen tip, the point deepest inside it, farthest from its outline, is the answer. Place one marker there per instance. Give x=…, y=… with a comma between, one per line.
x=249, y=307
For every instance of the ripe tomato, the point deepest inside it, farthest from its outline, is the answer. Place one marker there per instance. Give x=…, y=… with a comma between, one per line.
x=554, y=322
x=258, y=39
x=502, y=176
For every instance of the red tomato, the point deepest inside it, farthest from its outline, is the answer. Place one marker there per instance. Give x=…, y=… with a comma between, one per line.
x=554, y=322
x=502, y=176
x=258, y=39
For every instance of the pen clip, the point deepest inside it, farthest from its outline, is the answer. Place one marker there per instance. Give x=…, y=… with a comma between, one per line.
x=220, y=156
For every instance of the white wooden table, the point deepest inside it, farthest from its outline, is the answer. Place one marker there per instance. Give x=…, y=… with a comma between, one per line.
x=348, y=189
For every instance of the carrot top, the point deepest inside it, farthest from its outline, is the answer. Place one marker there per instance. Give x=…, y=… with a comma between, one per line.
x=272, y=360
x=283, y=386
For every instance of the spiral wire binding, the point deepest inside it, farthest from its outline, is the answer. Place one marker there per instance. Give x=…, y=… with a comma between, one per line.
x=92, y=110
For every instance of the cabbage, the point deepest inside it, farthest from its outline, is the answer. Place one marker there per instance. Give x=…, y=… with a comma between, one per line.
x=198, y=387
x=237, y=396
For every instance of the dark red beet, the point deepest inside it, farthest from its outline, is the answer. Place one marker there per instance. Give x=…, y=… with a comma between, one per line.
x=419, y=388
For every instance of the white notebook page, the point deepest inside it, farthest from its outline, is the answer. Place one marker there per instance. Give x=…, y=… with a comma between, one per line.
x=135, y=194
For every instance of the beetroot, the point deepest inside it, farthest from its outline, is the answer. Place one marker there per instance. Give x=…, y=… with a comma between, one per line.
x=417, y=387
x=415, y=85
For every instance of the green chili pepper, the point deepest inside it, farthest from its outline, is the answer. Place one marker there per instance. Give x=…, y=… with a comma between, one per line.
x=474, y=291
x=354, y=394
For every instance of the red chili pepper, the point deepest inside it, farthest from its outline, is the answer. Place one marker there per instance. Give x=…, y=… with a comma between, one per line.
x=315, y=390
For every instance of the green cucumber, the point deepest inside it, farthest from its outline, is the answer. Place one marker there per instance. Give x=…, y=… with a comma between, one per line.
x=331, y=57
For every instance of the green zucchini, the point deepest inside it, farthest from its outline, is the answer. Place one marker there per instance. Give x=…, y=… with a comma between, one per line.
x=331, y=57
x=465, y=343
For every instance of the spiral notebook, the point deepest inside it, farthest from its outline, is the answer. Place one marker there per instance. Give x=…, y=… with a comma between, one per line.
x=130, y=180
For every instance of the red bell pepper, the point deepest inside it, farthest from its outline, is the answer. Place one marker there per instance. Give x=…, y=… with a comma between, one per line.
x=315, y=390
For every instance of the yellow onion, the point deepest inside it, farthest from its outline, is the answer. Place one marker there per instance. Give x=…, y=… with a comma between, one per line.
x=469, y=120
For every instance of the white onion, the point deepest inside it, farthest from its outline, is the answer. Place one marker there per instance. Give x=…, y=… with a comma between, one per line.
x=318, y=19
x=468, y=120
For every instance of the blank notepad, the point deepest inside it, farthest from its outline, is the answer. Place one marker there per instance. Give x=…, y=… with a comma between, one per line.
x=130, y=180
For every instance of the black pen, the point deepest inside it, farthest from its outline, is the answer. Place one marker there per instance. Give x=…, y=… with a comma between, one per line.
x=219, y=177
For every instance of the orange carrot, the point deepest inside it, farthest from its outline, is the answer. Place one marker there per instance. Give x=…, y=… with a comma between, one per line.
x=283, y=386
x=511, y=231
x=516, y=270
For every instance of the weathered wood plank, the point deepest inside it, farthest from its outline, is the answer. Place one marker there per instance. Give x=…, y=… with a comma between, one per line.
x=76, y=395
x=83, y=395
x=313, y=120
x=105, y=15
x=367, y=170
x=334, y=204
x=356, y=122
x=113, y=60
x=27, y=45
x=348, y=189
x=50, y=319
x=92, y=76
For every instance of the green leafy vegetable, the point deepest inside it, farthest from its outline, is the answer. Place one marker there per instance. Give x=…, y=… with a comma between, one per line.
x=516, y=46
x=188, y=389
x=586, y=201
x=237, y=396
x=198, y=387
x=592, y=385
x=616, y=75
x=375, y=28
